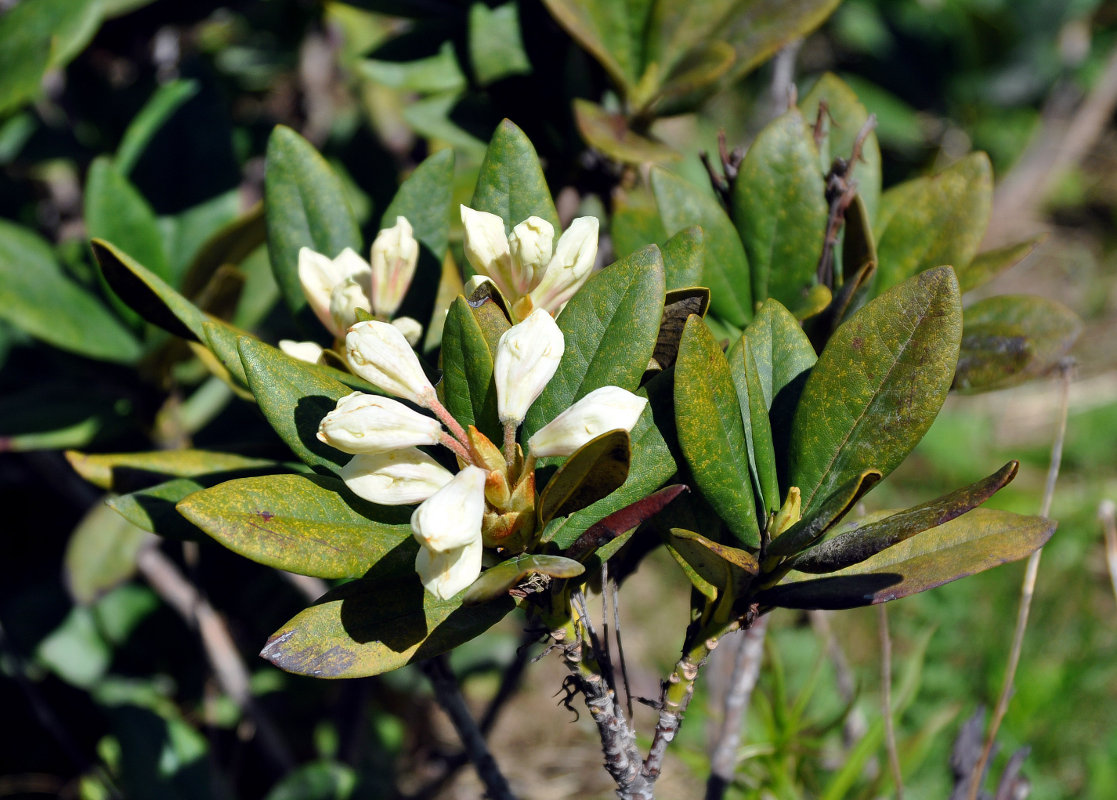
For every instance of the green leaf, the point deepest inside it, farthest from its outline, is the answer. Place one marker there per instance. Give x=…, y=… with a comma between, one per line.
x=425, y=199
x=306, y=207
x=972, y=543
x=1010, y=339
x=991, y=263
x=877, y=386
x=160, y=107
x=53, y=414
x=294, y=397
x=719, y=569
x=374, y=625
x=611, y=30
x=810, y=528
x=726, y=269
x=864, y=538
x=309, y=525
x=636, y=223
x=711, y=432
x=692, y=78
x=610, y=327
x=101, y=554
x=937, y=220
x=317, y=780
x=684, y=258
x=846, y=114
x=467, y=388
x=758, y=428
x=595, y=470
x=39, y=35
x=497, y=580
x=436, y=73
x=123, y=472
x=37, y=297
x=116, y=212
x=232, y=244
x=610, y=134
x=780, y=210
x=781, y=350
x=496, y=48
x=511, y=183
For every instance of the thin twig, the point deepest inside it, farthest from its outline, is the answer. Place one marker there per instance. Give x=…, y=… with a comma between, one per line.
x=228, y=668
x=449, y=696
x=1027, y=588
x=886, y=702
x=746, y=672
x=1107, y=513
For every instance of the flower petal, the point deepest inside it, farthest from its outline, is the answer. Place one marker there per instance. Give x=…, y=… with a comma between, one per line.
x=380, y=354
x=319, y=274
x=368, y=423
x=609, y=408
x=530, y=243
x=527, y=356
x=447, y=573
x=486, y=247
x=570, y=266
x=397, y=478
x=310, y=352
x=394, y=256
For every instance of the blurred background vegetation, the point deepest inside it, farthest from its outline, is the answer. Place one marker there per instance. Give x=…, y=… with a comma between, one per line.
x=146, y=122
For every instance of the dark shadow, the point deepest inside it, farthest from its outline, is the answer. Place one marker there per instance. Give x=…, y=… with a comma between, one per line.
x=846, y=591
x=308, y=414
x=782, y=415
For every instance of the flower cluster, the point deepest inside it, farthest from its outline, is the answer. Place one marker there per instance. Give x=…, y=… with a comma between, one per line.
x=522, y=265
x=337, y=289
x=490, y=501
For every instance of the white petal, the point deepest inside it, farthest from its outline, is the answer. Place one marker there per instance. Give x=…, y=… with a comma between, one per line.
x=394, y=256
x=347, y=297
x=486, y=247
x=398, y=478
x=609, y=408
x=530, y=243
x=367, y=423
x=310, y=352
x=410, y=328
x=570, y=266
x=318, y=275
x=527, y=356
x=447, y=573
x=380, y=354
x=451, y=517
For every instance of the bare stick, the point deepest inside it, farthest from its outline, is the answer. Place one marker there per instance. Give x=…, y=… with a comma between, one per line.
x=886, y=702
x=449, y=696
x=1107, y=513
x=746, y=672
x=164, y=577
x=1028, y=587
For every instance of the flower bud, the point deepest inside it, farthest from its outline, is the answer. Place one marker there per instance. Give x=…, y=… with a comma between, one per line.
x=394, y=256
x=310, y=352
x=318, y=275
x=367, y=423
x=447, y=573
x=396, y=478
x=380, y=354
x=609, y=408
x=451, y=517
x=527, y=356
x=530, y=244
x=569, y=267
x=486, y=247
x=346, y=299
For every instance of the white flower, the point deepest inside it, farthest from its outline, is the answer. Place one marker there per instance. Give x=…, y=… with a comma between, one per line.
x=530, y=243
x=522, y=265
x=394, y=256
x=347, y=298
x=486, y=247
x=527, y=356
x=410, y=328
x=451, y=517
x=320, y=275
x=570, y=266
x=609, y=408
x=366, y=423
x=380, y=354
x=448, y=528
x=310, y=352
x=396, y=478
x=447, y=573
